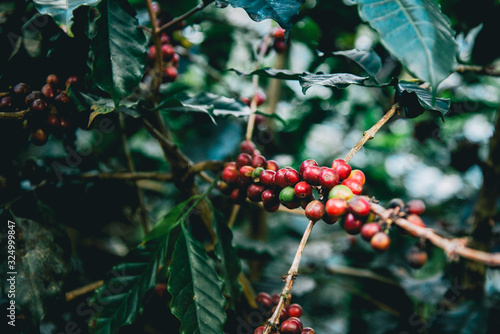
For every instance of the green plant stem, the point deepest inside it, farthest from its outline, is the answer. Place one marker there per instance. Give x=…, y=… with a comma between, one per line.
x=274, y=320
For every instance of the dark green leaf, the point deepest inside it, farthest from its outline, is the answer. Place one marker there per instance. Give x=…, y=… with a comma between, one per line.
x=123, y=292
x=41, y=266
x=415, y=100
x=230, y=262
x=416, y=32
x=196, y=289
x=120, y=50
x=337, y=80
x=369, y=60
x=62, y=10
x=284, y=12
x=270, y=73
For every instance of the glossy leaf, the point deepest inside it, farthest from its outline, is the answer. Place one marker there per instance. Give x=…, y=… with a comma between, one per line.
x=369, y=60
x=270, y=73
x=61, y=10
x=124, y=290
x=119, y=48
x=415, y=100
x=416, y=32
x=229, y=260
x=284, y=12
x=196, y=290
x=337, y=80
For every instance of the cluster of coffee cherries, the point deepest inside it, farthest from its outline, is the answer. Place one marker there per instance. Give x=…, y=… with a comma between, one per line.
x=260, y=99
x=290, y=322
x=278, y=42
x=50, y=109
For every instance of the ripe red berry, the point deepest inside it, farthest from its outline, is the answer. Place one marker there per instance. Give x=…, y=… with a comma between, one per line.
x=164, y=38
x=292, y=177
x=72, y=80
x=328, y=178
x=328, y=220
x=293, y=204
x=269, y=197
x=39, y=105
x=238, y=196
x=416, y=206
x=305, y=163
x=276, y=298
x=308, y=330
x=416, y=257
x=167, y=51
x=352, y=225
x=314, y=211
x=247, y=146
x=170, y=73
x=21, y=89
x=415, y=220
x=243, y=159
x=272, y=165
x=6, y=103
x=152, y=53
x=272, y=207
x=369, y=230
x=175, y=60
x=160, y=289
x=380, y=242
x=264, y=299
x=357, y=174
x=295, y=310
x=312, y=175
x=279, y=33
x=246, y=173
x=279, y=46
x=340, y=191
x=342, y=168
x=230, y=174
x=283, y=314
x=254, y=192
x=53, y=121
x=260, y=98
x=30, y=98
x=291, y=326
x=359, y=206
x=267, y=177
x=303, y=190
x=353, y=184
x=305, y=201
x=336, y=207
x=48, y=91
x=38, y=137
x=62, y=98
x=259, y=330
x=245, y=100
x=279, y=179
x=259, y=161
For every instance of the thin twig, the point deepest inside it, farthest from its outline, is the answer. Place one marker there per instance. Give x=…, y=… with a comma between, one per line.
x=157, y=176
x=452, y=247
x=234, y=214
x=83, y=290
x=289, y=280
x=14, y=115
x=184, y=16
x=480, y=70
x=369, y=134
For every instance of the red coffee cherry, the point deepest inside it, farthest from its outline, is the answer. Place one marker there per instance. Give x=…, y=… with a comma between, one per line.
x=39, y=137
x=271, y=207
x=62, y=98
x=416, y=206
x=342, y=168
x=352, y=225
x=247, y=146
x=295, y=310
x=359, y=206
x=305, y=201
x=314, y=211
x=267, y=177
x=152, y=53
x=52, y=79
x=279, y=178
x=357, y=175
x=167, y=51
x=230, y=174
x=254, y=192
x=269, y=197
x=38, y=105
x=353, y=184
x=380, y=242
x=308, y=330
x=336, y=207
x=279, y=33
x=311, y=175
x=415, y=220
x=272, y=165
x=259, y=330
x=328, y=178
x=369, y=230
x=259, y=161
x=329, y=220
x=260, y=98
x=305, y=163
x=238, y=196
x=283, y=314
x=264, y=299
x=160, y=289
x=48, y=91
x=416, y=257
x=303, y=190
x=164, y=38
x=291, y=326
x=170, y=73
x=53, y=120
x=243, y=159
x=292, y=177
x=279, y=46
x=21, y=89
x=72, y=80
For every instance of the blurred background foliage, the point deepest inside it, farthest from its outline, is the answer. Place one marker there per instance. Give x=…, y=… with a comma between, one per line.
x=344, y=286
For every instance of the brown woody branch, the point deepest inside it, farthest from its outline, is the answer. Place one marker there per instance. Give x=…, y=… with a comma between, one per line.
x=184, y=16
x=14, y=115
x=479, y=70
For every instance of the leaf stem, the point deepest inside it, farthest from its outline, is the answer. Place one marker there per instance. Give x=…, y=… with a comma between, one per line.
x=187, y=14
x=369, y=134
x=273, y=321
x=83, y=290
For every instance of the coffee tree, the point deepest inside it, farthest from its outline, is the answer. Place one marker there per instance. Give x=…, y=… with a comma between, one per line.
x=249, y=166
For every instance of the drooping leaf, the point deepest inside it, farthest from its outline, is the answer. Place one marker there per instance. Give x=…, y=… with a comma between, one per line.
x=416, y=32
x=230, y=262
x=41, y=265
x=62, y=10
x=337, y=80
x=120, y=49
x=123, y=292
x=284, y=11
x=270, y=73
x=369, y=60
x=196, y=290
x=415, y=100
